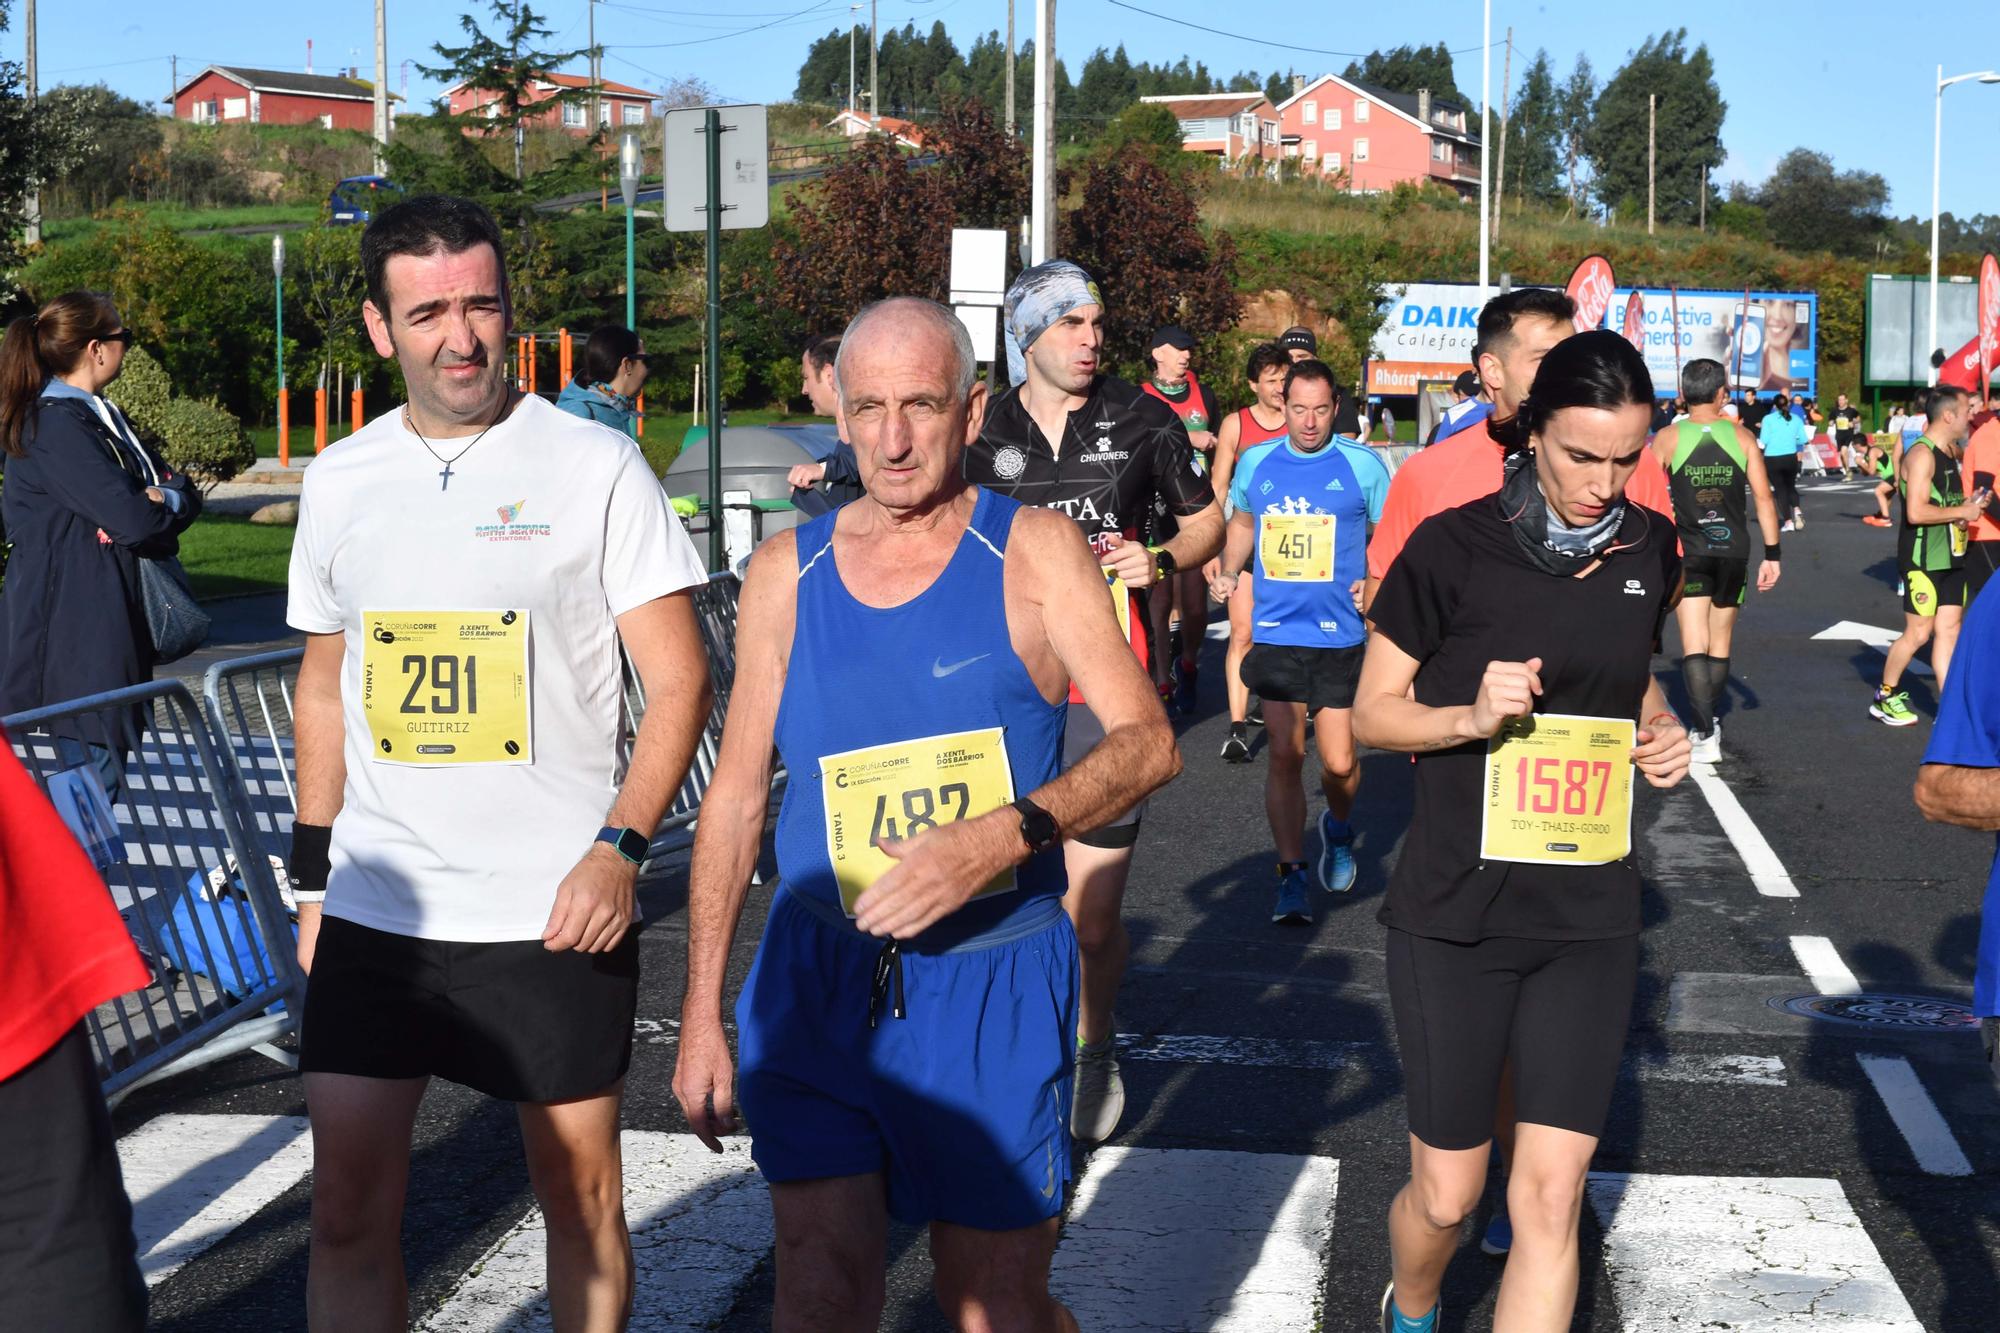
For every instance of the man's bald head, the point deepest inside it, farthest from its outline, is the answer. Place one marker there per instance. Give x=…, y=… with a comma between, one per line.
x=919, y=330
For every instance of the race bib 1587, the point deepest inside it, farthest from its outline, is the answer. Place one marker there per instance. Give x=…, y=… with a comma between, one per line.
x=1558, y=791
x=446, y=688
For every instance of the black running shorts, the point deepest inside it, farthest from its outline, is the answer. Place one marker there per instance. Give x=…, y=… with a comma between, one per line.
x=1316, y=677
x=1558, y=1008
x=1924, y=593
x=1722, y=581
x=511, y=1020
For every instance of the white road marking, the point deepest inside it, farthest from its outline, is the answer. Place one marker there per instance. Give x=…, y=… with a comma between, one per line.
x=1751, y=1254
x=1916, y=1115
x=1765, y=1071
x=1822, y=965
x=1272, y=1053
x=1767, y=872
x=1872, y=635
x=196, y=1178
x=700, y=1224
x=1192, y=1238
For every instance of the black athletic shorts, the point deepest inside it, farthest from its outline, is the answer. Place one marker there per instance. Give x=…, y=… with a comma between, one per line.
x=511, y=1020
x=1316, y=677
x=1080, y=735
x=1924, y=592
x=1982, y=560
x=1558, y=1008
x=68, y=1262
x=1722, y=581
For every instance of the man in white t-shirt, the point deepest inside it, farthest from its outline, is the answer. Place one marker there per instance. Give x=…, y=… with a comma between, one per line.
x=468, y=840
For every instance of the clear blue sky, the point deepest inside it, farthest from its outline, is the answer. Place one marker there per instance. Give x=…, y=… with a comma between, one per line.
x=1851, y=78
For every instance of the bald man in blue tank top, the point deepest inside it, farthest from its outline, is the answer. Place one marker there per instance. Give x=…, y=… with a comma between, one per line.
x=906, y=1033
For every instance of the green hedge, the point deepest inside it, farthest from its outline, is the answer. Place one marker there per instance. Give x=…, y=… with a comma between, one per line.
x=196, y=436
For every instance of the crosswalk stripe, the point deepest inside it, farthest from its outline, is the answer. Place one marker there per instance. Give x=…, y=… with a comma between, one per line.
x=1751, y=1254
x=1197, y=1238
x=700, y=1224
x=1916, y=1115
x=195, y=1178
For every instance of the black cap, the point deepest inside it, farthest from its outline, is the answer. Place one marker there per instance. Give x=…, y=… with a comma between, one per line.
x=1299, y=336
x=1171, y=335
x=1467, y=384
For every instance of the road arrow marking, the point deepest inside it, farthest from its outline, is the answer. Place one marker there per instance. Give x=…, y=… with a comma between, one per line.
x=1874, y=636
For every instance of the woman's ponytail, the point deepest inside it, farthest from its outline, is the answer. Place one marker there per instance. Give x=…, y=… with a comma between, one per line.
x=38, y=347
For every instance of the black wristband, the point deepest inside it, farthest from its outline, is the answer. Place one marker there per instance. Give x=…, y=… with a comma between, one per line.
x=1771, y=552
x=311, y=858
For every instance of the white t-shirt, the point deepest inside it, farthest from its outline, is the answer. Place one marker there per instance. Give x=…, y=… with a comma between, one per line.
x=551, y=515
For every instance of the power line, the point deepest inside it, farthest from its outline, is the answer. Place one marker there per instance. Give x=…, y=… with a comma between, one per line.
x=1257, y=41
x=741, y=32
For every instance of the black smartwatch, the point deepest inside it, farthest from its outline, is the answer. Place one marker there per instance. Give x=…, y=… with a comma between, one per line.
x=1038, y=826
x=1164, y=564
x=629, y=842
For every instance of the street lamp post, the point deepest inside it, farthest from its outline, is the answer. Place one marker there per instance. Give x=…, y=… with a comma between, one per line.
x=284, y=397
x=1937, y=171
x=629, y=164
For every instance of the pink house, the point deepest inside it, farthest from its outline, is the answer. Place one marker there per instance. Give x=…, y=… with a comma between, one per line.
x=619, y=105
x=1228, y=126
x=1374, y=138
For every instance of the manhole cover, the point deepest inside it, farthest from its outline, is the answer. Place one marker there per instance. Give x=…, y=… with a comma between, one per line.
x=1907, y=1013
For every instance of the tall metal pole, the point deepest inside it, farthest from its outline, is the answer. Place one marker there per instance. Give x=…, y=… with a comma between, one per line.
x=1652, y=154
x=852, y=28
x=1937, y=170
x=712, y=127
x=874, y=68
x=1500, y=158
x=596, y=70
x=1486, y=153
x=381, y=89
x=1042, y=227
x=1011, y=122
x=284, y=398
x=33, y=232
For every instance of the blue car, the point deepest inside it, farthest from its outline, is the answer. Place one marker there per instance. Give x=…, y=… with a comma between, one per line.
x=358, y=198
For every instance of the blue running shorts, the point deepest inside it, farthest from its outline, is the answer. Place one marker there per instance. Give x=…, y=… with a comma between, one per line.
x=962, y=1104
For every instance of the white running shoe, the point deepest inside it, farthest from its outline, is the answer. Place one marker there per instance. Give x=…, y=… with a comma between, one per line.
x=1707, y=746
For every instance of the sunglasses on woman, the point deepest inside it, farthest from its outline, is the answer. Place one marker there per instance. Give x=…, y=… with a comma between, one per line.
x=122, y=336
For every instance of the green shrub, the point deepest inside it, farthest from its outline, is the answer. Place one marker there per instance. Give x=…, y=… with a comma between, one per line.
x=142, y=391
x=204, y=440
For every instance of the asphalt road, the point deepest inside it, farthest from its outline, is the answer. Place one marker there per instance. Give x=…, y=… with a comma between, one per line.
x=1263, y=1057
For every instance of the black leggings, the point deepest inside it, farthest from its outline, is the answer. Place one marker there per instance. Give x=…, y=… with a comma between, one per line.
x=1784, y=473
x=1558, y=1008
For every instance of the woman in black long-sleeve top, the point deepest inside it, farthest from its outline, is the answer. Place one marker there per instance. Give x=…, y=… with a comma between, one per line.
x=84, y=500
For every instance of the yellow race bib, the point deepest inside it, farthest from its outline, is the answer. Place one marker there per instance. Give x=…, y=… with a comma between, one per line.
x=445, y=688
x=1558, y=791
x=1296, y=548
x=905, y=788
x=1121, y=603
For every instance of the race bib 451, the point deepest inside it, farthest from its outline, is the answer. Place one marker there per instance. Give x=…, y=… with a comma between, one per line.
x=1558, y=791
x=1296, y=548
x=446, y=688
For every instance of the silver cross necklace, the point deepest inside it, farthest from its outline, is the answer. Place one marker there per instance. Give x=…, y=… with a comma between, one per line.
x=445, y=483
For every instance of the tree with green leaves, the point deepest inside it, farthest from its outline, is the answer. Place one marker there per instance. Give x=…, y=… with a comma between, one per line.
x=1808, y=205
x=1574, y=103
x=37, y=144
x=1407, y=69
x=121, y=134
x=1278, y=87
x=506, y=64
x=1534, y=136
x=1690, y=110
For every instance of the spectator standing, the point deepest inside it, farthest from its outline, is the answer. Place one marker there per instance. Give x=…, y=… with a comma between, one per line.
x=606, y=389
x=1780, y=436
x=85, y=501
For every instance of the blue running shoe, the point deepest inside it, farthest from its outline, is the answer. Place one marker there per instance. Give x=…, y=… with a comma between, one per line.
x=1499, y=1237
x=1337, y=871
x=1395, y=1321
x=1294, y=905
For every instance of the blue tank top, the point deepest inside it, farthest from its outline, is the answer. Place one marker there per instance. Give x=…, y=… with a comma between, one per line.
x=942, y=663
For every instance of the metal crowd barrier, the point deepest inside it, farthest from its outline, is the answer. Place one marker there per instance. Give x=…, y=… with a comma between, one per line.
x=136, y=775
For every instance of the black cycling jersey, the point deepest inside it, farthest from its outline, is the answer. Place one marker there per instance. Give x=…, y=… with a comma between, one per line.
x=1120, y=450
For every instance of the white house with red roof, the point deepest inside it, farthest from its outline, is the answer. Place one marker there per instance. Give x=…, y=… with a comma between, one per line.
x=619, y=105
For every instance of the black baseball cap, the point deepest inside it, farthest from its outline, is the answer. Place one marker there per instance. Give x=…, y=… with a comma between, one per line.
x=1299, y=336
x=1171, y=335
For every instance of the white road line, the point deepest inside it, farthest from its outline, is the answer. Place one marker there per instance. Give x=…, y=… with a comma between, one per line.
x=1752, y=1254
x=1766, y=1071
x=700, y=1225
x=1916, y=1115
x=1822, y=965
x=1192, y=1238
x=1272, y=1053
x=196, y=1178
x=1766, y=871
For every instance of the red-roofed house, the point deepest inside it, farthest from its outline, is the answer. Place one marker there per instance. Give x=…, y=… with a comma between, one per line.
x=222, y=94
x=1380, y=138
x=1229, y=126
x=618, y=104
x=853, y=124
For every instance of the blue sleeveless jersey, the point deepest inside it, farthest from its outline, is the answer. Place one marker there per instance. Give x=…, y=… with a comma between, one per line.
x=940, y=663
x=1343, y=478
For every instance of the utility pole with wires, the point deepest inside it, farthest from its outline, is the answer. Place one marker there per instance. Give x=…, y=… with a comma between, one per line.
x=173, y=81
x=1485, y=149
x=33, y=232
x=1652, y=156
x=1042, y=202
x=1703, y=224
x=596, y=65
x=1011, y=123
x=381, y=89
x=874, y=69
x=853, y=26
x=1500, y=162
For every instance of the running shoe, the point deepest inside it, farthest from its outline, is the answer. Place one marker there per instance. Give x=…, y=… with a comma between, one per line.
x=1499, y=1237
x=1166, y=689
x=1875, y=520
x=1707, y=746
x=1185, y=678
x=1098, y=1101
x=1395, y=1322
x=1256, y=714
x=1893, y=709
x=1337, y=871
x=1785, y=527
x=1294, y=905
x=1799, y=517
x=1236, y=750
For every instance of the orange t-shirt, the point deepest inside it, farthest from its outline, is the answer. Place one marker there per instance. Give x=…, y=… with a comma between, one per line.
x=1982, y=455
x=1460, y=470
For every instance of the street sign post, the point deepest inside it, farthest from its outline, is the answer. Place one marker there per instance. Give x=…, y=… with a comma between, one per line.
x=717, y=167
x=979, y=285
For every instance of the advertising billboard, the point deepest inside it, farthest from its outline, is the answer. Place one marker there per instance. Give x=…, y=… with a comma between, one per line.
x=1767, y=341
x=1427, y=334
x=1898, y=321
